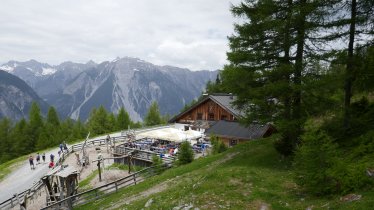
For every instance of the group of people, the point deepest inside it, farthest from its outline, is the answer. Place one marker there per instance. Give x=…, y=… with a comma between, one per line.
x=42, y=156
x=37, y=157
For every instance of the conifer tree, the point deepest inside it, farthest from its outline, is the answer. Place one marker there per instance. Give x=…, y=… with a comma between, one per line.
x=123, y=119
x=20, y=138
x=98, y=121
x=153, y=116
x=268, y=62
x=5, y=140
x=35, y=126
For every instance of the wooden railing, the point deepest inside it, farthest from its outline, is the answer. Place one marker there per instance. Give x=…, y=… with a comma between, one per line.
x=18, y=198
x=104, y=190
x=143, y=154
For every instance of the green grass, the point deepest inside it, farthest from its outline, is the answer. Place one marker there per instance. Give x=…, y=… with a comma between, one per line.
x=256, y=176
x=7, y=167
x=85, y=183
x=124, y=167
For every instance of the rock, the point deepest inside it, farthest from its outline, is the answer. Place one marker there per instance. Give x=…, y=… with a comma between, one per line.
x=149, y=203
x=188, y=207
x=264, y=206
x=350, y=197
x=370, y=172
x=310, y=207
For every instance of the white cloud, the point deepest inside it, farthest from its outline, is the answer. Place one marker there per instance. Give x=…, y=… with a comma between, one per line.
x=184, y=33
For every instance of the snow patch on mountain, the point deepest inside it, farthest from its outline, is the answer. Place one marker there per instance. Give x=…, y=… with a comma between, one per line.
x=7, y=68
x=48, y=71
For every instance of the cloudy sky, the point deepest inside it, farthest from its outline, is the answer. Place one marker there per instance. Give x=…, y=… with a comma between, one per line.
x=184, y=33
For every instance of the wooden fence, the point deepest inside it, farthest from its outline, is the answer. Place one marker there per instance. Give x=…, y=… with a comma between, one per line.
x=104, y=190
x=19, y=198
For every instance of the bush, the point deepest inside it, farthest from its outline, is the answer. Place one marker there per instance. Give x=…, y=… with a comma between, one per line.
x=218, y=145
x=321, y=168
x=185, y=154
x=157, y=163
x=314, y=161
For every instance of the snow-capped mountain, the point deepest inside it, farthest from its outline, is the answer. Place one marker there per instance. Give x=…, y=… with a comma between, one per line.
x=16, y=97
x=74, y=89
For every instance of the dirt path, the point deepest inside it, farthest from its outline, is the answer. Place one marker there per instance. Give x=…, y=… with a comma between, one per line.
x=164, y=185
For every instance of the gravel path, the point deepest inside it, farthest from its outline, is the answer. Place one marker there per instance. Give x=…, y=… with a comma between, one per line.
x=23, y=177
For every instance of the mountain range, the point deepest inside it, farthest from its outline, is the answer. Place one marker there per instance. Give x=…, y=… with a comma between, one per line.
x=16, y=97
x=75, y=88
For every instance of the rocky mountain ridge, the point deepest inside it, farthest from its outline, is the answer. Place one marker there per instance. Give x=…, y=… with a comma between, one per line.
x=74, y=88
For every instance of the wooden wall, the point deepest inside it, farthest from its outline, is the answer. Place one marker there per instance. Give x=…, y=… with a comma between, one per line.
x=208, y=110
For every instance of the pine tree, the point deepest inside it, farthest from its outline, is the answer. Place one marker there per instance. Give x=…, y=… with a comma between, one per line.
x=52, y=117
x=123, y=119
x=20, y=138
x=185, y=154
x=98, y=121
x=153, y=116
x=5, y=140
x=268, y=62
x=35, y=126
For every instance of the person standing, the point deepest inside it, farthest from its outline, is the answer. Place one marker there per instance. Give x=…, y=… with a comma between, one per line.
x=37, y=158
x=31, y=161
x=52, y=157
x=61, y=147
x=43, y=157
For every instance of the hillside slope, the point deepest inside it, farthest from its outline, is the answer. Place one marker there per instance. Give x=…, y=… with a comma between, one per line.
x=16, y=97
x=249, y=176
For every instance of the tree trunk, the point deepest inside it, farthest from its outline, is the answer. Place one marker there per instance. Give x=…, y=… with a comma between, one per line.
x=349, y=76
x=300, y=41
x=287, y=62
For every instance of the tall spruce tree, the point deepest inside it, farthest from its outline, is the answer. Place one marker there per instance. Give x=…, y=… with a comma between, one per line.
x=5, y=140
x=98, y=121
x=268, y=64
x=123, y=119
x=153, y=116
x=35, y=126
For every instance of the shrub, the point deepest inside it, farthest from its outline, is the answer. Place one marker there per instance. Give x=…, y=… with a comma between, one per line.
x=314, y=161
x=218, y=145
x=157, y=163
x=321, y=168
x=185, y=154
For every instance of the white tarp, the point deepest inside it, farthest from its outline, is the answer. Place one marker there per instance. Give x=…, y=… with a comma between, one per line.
x=171, y=134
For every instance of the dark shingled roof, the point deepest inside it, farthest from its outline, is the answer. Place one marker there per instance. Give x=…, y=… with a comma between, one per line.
x=235, y=130
x=226, y=101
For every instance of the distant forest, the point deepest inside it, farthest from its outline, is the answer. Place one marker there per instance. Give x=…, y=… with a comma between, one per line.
x=38, y=132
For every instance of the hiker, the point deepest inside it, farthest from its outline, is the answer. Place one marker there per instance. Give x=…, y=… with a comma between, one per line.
x=61, y=147
x=51, y=164
x=59, y=153
x=31, y=161
x=65, y=146
x=52, y=157
x=37, y=158
x=43, y=157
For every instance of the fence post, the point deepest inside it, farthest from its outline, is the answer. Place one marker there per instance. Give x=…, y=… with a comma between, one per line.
x=134, y=178
x=115, y=183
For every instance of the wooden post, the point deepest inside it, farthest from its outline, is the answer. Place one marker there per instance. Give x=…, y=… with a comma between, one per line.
x=129, y=163
x=115, y=183
x=134, y=178
x=98, y=165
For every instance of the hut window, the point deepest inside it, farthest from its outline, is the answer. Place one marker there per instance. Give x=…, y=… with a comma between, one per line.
x=211, y=116
x=199, y=116
x=233, y=142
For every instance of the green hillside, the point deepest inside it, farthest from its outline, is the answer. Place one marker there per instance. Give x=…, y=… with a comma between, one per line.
x=249, y=176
